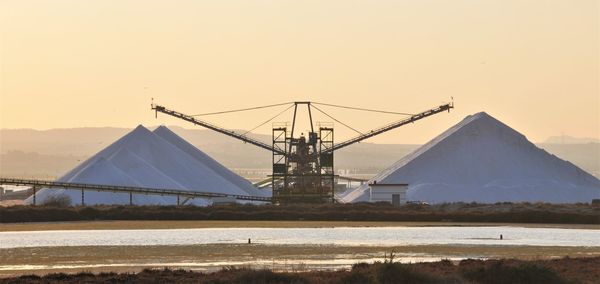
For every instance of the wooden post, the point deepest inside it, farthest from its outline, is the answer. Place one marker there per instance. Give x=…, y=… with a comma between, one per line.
x=177, y=199
x=82, y=198
x=130, y=199
x=34, y=190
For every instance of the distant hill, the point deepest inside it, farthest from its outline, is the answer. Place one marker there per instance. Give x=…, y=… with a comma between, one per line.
x=564, y=139
x=50, y=153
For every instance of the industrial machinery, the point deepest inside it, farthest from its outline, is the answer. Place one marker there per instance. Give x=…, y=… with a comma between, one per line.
x=303, y=165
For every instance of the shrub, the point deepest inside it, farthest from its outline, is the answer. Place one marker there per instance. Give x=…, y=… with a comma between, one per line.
x=58, y=276
x=29, y=278
x=89, y=213
x=60, y=200
x=360, y=265
x=245, y=275
x=400, y=273
x=357, y=277
x=498, y=273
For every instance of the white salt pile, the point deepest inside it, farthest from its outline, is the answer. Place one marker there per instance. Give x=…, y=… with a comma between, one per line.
x=483, y=160
x=203, y=158
x=158, y=159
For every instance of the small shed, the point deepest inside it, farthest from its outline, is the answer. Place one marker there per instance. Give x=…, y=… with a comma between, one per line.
x=385, y=192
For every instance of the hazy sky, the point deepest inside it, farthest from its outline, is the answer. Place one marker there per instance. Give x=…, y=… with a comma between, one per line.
x=532, y=64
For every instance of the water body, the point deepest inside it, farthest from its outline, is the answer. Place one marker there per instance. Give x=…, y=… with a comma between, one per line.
x=341, y=236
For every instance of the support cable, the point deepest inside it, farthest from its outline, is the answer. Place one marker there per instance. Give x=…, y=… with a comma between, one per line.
x=268, y=120
x=239, y=110
x=337, y=120
x=362, y=109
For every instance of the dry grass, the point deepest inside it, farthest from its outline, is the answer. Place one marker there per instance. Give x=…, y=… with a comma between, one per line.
x=180, y=256
x=565, y=270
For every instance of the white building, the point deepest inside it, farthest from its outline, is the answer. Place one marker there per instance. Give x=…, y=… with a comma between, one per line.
x=394, y=193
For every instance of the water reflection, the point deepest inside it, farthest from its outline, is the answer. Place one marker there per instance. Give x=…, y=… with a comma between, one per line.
x=346, y=236
x=273, y=264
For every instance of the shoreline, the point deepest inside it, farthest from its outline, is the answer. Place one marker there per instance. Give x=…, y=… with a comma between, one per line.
x=212, y=257
x=145, y=224
x=564, y=270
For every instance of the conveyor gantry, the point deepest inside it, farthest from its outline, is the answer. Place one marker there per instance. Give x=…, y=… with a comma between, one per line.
x=125, y=189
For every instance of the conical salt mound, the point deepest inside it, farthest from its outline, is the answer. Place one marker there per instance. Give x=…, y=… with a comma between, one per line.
x=143, y=158
x=483, y=160
x=203, y=158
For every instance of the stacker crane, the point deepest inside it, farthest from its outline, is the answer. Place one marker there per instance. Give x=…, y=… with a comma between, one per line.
x=303, y=168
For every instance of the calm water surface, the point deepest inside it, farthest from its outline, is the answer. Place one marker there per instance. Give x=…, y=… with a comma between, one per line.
x=346, y=236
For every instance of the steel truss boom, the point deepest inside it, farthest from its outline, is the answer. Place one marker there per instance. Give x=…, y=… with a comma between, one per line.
x=189, y=118
x=411, y=119
x=361, y=137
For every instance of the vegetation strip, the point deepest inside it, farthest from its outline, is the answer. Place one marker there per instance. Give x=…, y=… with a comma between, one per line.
x=199, y=224
x=454, y=212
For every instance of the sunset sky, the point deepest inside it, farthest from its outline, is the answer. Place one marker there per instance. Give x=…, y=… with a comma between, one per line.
x=534, y=65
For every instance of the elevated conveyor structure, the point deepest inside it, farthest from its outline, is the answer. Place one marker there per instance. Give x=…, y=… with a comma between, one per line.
x=38, y=184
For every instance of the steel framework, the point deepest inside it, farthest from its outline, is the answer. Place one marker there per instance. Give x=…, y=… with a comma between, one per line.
x=303, y=167
x=36, y=184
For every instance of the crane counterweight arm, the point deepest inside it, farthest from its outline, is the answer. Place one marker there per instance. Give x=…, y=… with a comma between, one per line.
x=159, y=108
x=411, y=119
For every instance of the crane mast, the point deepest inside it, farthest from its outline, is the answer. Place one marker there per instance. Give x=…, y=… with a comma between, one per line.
x=303, y=167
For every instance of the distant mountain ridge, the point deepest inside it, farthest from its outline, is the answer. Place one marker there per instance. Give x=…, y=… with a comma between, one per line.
x=565, y=139
x=50, y=153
